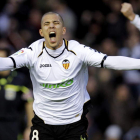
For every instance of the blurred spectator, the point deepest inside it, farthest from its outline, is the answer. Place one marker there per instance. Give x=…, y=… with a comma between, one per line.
x=109, y=47
x=99, y=113
x=132, y=49
x=9, y=10
x=93, y=35
x=133, y=134
x=115, y=23
x=30, y=31
x=113, y=132
x=122, y=107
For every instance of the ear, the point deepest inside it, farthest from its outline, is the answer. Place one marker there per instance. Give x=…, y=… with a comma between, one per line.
x=41, y=32
x=64, y=31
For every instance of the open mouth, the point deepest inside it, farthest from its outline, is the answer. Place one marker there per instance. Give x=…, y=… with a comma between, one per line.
x=52, y=37
x=52, y=34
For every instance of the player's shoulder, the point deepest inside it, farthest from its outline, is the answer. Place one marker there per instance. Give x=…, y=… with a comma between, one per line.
x=75, y=46
x=37, y=45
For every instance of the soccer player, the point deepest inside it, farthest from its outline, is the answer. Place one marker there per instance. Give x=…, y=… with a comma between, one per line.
x=58, y=70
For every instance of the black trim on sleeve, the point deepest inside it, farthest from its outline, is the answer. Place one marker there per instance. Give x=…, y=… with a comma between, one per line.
x=30, y=48
x=102, y=63
x=13, y=61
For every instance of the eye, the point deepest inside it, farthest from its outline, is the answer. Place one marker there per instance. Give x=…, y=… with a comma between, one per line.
x=46, y=23
x=56, y=22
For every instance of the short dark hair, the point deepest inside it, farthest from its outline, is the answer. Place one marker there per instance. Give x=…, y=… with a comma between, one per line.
x=51, y=12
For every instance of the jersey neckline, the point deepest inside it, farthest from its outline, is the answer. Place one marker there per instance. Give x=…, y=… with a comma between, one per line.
x=61, y=50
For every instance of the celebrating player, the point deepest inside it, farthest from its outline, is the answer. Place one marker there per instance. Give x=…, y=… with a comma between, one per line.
x=58, y=70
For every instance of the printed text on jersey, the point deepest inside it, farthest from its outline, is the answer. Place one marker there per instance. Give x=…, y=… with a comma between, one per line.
x=59, y=85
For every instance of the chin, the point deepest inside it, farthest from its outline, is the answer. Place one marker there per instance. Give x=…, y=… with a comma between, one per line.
x=55, y=46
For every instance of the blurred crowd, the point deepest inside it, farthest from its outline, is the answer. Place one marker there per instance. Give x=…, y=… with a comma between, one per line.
x=115, y=95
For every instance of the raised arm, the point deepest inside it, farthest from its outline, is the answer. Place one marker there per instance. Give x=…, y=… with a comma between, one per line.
x=122, y=63
x=127, y=11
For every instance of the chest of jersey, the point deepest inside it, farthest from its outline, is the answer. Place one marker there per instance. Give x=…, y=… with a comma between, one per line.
x=55, y=70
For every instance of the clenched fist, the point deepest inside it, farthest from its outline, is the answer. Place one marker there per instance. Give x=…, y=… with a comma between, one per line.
x=127, y=11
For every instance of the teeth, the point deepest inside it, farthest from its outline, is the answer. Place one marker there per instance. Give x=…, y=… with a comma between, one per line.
x=52, y=32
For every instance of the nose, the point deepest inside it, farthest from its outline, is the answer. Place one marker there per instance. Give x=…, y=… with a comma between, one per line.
x=51, y=25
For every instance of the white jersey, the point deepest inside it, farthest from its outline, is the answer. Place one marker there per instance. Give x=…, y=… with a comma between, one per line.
x=59, y=82
x=136, y=21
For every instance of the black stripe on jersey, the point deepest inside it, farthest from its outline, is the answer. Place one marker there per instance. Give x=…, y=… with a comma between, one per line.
x=30, y=48
x=66, y=45
x=102, y=63
x=13, y=61
x=43, y=46
x=55, y=56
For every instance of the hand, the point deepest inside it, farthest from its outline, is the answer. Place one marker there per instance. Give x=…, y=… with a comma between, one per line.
x=127, y=11
x=26, y=134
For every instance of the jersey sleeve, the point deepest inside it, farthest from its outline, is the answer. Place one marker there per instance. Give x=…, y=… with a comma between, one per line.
x=91, y=56
x=122, y=63
x=136, y=21
x=22, y=58
x=6, y=64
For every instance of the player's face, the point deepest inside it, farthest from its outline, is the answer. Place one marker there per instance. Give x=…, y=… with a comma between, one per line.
x=52, y=30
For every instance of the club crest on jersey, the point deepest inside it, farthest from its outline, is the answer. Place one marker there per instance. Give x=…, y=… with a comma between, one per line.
x=66, y=64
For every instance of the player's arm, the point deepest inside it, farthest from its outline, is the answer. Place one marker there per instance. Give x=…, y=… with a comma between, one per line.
x=127, y=11
x=92, y=57
x=16, y=60
x=6, y=64
x=121, y=63
x=97, y=59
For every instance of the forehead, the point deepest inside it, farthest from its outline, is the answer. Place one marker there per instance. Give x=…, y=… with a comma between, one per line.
x=50, y=17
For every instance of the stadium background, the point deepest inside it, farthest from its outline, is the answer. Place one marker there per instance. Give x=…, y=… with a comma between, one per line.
x=115, y=95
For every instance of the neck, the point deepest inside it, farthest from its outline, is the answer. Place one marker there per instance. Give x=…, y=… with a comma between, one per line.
x=54, y=47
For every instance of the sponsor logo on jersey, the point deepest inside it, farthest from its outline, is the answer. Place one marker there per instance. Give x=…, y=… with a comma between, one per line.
x=66, y=64
x=45, y=65
x=59, y=85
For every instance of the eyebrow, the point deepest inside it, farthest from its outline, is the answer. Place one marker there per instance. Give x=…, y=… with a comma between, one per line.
x=53, y=21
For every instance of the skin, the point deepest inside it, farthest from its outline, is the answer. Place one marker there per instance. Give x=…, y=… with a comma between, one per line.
x=52, y=22
x=127, y=11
